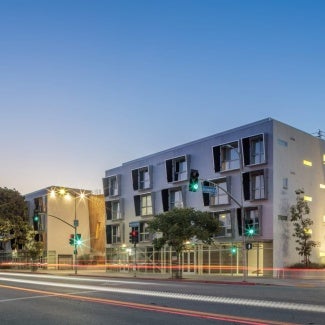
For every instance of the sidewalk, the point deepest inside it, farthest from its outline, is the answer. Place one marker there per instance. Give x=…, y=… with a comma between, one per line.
x=220, y=279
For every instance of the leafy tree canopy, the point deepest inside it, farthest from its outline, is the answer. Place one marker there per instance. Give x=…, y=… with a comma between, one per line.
x=14, y=225
x=12, y=204
x=181, y=225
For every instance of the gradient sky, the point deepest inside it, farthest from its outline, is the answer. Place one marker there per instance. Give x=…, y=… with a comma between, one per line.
x=86, y=85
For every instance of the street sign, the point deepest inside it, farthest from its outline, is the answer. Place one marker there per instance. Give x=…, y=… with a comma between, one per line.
x=209, y=189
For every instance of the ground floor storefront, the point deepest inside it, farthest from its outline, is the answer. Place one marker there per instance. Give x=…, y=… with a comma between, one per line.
x=222, y=258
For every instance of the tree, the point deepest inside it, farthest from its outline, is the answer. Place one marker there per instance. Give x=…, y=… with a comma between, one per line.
x=181, y=225
x=34, y=248
x=12, y=204
x=302, y=231
x=13, y=219
x=14, y=224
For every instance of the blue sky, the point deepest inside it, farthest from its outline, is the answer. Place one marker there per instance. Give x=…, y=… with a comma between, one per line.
x=87, y=85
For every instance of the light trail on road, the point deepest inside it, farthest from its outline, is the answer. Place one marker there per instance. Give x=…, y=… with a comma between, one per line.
x=182, y=296
x=168, y=310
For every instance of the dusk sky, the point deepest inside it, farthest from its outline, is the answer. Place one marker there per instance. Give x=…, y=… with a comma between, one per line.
x=86, y=85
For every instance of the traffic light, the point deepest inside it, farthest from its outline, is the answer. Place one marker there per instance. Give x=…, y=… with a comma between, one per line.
x=78, y=240
x=135, y=236
x=130, y=237
x=71, y=240
x=250, y=230
x=194, y=180
x=233, y=250
x=36, y=220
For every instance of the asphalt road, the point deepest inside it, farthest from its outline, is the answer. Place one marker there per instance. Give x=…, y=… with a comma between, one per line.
x=46, y=299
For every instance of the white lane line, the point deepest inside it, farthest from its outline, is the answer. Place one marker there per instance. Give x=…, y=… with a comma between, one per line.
x=192, y=297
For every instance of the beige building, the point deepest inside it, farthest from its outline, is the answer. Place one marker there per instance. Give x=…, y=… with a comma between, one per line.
x=58, y=214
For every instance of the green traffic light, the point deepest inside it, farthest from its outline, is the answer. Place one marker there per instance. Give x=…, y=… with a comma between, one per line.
x=36, y=218
x=234, y=250
x=193, y=187
x=78, y=240
x=250, y=232
x=194, y=181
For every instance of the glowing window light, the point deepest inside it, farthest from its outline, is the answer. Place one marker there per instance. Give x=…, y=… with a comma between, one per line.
x=308, y=198
x=322, y=186
x=307, y=163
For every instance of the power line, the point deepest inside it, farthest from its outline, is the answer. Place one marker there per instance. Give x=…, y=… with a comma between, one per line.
x=319, y=134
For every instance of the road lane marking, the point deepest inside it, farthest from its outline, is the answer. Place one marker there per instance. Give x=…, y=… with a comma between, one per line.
x=183, y=296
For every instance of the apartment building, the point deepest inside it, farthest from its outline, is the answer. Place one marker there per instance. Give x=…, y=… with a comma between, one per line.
x=59, y=213
x=254, y=169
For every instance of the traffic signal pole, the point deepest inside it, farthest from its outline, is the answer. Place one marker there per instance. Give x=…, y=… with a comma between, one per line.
x=75, y=251
x=242, y=212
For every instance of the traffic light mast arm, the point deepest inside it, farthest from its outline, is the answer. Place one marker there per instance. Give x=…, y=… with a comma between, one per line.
x=50, y=215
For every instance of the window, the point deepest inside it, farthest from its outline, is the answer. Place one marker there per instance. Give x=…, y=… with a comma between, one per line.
x=143, y=205
x=307, y=163
x=113, y=210
x=254, y=185
x=144, y=179
x=141, y=178
x=146, y=205
x=257, y=150
x=258, y=188
x=177, y=169
x=224, y=218
x=230, y=157
x=113, y=234
x=254, y=150
x=282, y=143
x=144, y=232
x=40, y=204
x=226, y=157
x=111, y=185
x=172, y=198
x=219, y=196
x=176, y=199
x=285, y=183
